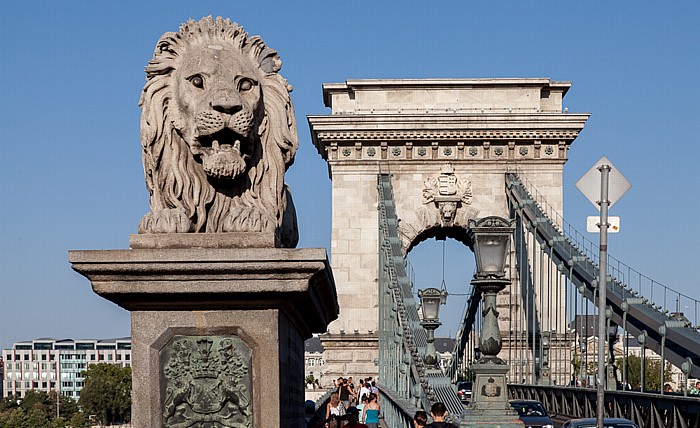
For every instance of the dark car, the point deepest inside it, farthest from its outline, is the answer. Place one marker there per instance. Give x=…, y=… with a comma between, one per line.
x=464, y=391
x=608, y=422
x=532, y=413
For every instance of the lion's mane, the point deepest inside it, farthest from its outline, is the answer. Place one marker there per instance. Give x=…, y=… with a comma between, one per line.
x=174, y=178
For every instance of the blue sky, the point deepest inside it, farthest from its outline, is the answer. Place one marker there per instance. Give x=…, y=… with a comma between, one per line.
x=72, y=73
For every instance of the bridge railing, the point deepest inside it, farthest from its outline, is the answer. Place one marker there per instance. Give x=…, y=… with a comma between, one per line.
x=669, y=335
x=647, y=410
x=665, y=299
x=458, y=364
x=402, y=340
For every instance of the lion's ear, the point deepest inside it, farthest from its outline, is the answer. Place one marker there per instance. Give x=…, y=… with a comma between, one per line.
x=269, y=60
x=165, y=43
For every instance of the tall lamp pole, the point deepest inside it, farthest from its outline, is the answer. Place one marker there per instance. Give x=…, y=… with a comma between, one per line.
x=489, y=238
x=430, y=301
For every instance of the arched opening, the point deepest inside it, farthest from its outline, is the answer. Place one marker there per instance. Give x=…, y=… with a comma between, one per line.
x=425, y=262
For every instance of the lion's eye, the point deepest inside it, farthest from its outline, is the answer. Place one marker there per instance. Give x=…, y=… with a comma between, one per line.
x=245, y=85
x=197, y=81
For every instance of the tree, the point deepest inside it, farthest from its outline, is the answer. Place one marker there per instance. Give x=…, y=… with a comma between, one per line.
x=652, y=372
x=107, y=393
x=37, y=409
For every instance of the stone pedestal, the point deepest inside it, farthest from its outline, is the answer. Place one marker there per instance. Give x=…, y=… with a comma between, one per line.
x=222, y=327
x=489, y=404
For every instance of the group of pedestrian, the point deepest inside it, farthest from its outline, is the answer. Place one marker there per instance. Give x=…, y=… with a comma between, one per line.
x=353, y=405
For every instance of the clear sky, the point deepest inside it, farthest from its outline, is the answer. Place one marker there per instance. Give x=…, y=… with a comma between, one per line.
x=72, y=73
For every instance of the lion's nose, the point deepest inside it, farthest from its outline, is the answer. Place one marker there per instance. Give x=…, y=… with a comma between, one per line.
x=226, y=103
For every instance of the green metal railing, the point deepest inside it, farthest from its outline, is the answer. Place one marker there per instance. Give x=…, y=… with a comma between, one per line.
x=402, y=340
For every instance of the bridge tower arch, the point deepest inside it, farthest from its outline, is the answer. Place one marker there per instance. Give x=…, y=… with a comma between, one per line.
x=447, y=144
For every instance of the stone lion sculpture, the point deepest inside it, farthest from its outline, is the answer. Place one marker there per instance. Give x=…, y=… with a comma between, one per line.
x=218, y=133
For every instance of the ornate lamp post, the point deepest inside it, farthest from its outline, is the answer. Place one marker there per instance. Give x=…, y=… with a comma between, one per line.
x=430, y=301
x=490, y=238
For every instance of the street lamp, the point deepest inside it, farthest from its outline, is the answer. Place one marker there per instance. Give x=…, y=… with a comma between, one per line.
x=489, y=238
x=430, y=301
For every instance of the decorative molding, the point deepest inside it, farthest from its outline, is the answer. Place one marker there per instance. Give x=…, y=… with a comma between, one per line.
x=540, y=134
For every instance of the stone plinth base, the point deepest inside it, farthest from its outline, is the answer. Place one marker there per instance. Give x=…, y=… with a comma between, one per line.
x=489, y=405
x=349, y=355
x=217, y=333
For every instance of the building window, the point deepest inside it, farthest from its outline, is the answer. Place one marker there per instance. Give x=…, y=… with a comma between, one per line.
x=43, y=366
x=92, y=357
x=109, y=357
x=43, y=385
x=26, y=357
x=43, y=357
x=128, y=357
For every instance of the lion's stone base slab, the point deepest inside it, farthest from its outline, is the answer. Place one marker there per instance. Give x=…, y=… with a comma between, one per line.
x=271, y=299
x=204, y=240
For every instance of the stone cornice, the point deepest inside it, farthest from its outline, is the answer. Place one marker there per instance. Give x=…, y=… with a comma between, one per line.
x=446, y=130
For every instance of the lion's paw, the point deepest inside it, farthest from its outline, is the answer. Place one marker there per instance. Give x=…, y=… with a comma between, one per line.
x=248, y=219
x=170, y=220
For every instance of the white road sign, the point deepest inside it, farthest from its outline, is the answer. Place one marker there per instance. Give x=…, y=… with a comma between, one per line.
x=589, y=184
x=593, y=221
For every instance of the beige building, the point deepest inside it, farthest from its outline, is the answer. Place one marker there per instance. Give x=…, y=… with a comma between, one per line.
x=56, y=364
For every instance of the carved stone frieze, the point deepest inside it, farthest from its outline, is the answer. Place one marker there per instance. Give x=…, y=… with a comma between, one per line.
x=206, y=381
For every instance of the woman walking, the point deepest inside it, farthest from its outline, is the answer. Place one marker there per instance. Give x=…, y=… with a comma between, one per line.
x=370, y=413
x=334, y=410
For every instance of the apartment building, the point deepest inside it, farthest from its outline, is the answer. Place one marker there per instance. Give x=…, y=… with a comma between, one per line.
x=56, y=364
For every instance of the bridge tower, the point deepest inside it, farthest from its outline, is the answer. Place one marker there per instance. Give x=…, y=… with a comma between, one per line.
x=448, y=144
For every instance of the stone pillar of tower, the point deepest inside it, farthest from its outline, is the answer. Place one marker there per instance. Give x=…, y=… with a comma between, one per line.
x=470, y=131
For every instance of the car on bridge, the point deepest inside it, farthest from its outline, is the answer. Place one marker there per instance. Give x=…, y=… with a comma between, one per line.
x=464, y=391
x=607, y=422
x=532, y=413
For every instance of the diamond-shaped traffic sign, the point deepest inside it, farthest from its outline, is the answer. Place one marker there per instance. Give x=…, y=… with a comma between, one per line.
x=589, y=184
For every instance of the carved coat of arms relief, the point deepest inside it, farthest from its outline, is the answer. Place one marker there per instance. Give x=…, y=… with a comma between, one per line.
x=447, y=193
x=207, y=383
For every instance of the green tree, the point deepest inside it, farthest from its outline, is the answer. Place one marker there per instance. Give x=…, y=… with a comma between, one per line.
x=652, y=372
x=107, y=393
x=37, y=409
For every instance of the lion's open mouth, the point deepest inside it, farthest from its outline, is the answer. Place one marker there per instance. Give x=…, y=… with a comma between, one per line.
x=226, y=139
x=223, y=154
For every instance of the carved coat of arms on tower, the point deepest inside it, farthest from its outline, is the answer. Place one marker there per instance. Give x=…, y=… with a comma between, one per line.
x=447, y=192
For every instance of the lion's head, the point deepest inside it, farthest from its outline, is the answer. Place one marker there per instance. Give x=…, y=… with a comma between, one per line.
x=218, y=133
